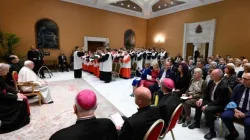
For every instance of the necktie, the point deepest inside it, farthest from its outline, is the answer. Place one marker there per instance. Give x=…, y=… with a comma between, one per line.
x=244, y=106
x=211, y=91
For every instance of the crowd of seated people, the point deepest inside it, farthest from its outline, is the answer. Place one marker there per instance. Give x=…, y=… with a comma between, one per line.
x=207, y=86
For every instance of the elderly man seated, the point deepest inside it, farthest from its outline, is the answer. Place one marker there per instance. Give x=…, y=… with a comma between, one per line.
x=193, y=93
x=169, y=101
x=27, y=75
x=87, y=126
x=14, y=110
x=136, y=126
x=214, y=100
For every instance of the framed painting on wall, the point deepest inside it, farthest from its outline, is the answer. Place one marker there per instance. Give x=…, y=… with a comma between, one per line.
x=129, y=39
x=47, y=34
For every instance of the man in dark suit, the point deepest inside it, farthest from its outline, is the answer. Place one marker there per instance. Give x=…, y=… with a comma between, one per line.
x=238, y=108
x=164, y=73
x=214, y=100
x=136, y=126
x=87, y=126
x=37, y=58
x=196, y=55
x=169, y=102
x=63, y=64
x=14, y=66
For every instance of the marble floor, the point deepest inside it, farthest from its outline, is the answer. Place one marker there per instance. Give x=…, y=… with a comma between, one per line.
x=117, y=92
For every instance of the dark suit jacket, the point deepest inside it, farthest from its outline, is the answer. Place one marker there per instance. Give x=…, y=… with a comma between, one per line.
x=221, y=94
x=33, y=54
x=169, y=74
x=136, y=126
x=62, y=60
x=167, y=105
x=237, y=95
x=88, y=129
x=9, y=79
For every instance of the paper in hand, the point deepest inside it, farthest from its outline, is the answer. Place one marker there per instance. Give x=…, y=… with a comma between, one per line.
x=149, y=77
x=117, y=119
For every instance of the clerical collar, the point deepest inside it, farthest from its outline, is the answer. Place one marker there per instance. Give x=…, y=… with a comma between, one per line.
x=167, y=94
x=86, y=117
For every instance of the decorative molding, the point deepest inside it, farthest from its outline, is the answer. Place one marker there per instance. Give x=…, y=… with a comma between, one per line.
x=207, y=36
x=97, y=39
x=146, y=6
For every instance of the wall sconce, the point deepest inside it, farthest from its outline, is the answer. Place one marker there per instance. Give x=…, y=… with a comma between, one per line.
x=159, y=38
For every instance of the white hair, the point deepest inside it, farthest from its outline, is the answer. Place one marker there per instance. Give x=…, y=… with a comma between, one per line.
x=27, y=62
x=199, y=70
x=213, y=63
x=4, y=66
x=220, y=72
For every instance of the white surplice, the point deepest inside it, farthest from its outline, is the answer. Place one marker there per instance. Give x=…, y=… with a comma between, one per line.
x=27, y=75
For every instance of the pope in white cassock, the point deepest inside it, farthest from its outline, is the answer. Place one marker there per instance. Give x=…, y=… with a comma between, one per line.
x=26, y=74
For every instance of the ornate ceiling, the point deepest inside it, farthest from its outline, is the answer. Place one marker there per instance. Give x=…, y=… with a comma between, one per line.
x=143, y=8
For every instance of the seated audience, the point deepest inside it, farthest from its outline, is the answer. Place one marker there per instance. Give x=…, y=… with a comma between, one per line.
x=204, y=70
x=193, y=93
x=209, y=72
x=246, y=70
x=14, y=109
x=14, y=66
x=239, y=109
x=230, y=75
x=164, y=73
x=222, y=64
x=27, y=75
x=216, y=97
x=87, y=126
x=182, y=79
x=144, y=72
x=63, y=64
x=151, y=79
x=238, y=66
x=244, y=61
x=136, y=126
x=169, y=102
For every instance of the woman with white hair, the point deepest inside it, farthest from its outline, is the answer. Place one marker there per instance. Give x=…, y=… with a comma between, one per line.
x=192, y=95
x=14, y=109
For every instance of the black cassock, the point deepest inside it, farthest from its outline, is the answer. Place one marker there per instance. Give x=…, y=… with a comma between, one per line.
x=13, y=114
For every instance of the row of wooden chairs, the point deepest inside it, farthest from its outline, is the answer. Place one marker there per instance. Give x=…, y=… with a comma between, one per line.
x=154, y=132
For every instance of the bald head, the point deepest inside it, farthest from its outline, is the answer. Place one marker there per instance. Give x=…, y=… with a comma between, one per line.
x=216, y=75
x=142, y=97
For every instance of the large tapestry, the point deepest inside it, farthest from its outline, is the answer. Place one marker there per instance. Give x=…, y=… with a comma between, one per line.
x=129, y=39
x=47, y=34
